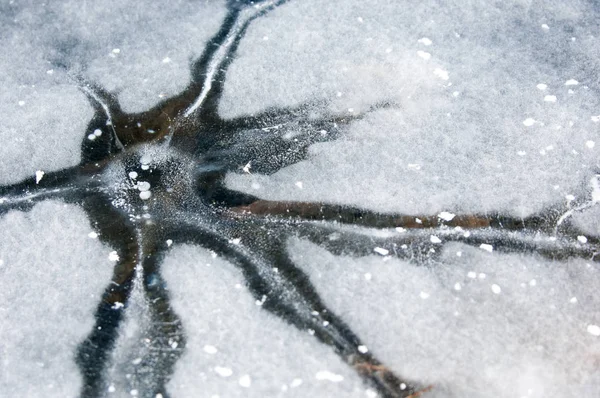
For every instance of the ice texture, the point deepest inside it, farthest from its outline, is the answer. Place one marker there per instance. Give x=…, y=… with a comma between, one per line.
x=53, y=276
x=494, y=107
x=141, y=52
x=471, y=131
x=237, y=349
x=473, y=324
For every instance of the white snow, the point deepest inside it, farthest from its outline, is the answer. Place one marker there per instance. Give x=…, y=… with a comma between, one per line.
x=251, y=341
x=477, y=151
x=495, y=331
x=48, y=298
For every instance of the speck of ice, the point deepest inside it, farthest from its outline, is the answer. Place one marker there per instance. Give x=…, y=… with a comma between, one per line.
x=441, y=73
x=545, y=27
x=368, y=276
x=532, y=282
x=245, y=381
x=496, y=289
x=446, y=216
x=528, y=122
x=550, y=98
x=329, y=376
x=594, y=330
x=299, y=184
x=571, y=82
x=145, y=195
x=38, y=176
x=382, y=251
x=573, y=300
x=166, y=60
x=486, y=247
x=143, y=186
x=296, y=383
x=425, y=41
x=424, y=295
x=595, y=119
x=582, y=239
x=246, y=168
x=472, y=274
x=457, y=286
x=423, y=54
x=21, y=103
x=113, y=256
x=542, y=86
x=435, y=239
x=97, y=133
x=133, y=175
x=590, y=144
x=363, y=349
x=223, y=371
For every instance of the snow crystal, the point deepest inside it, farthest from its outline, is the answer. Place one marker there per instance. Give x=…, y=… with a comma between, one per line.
x=223, y=371
x=329, y=376
x=434, y=239
x=486, y=247
x=446, y=216
x=381, y=250
x=594, y=330
x=245, y=381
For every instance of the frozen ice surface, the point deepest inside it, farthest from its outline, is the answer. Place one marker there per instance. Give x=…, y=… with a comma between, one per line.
x=456, y=144
x=142, y=52
x=235, y=348
x=474, y=325
x=48, y=298
x=496, y=109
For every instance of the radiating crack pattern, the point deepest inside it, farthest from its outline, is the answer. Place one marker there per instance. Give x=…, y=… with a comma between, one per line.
x=152, y=179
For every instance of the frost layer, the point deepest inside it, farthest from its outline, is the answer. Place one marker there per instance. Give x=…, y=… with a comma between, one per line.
x=474, y=324
x=48, y=298
x=497, y=103
x=237, y=349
